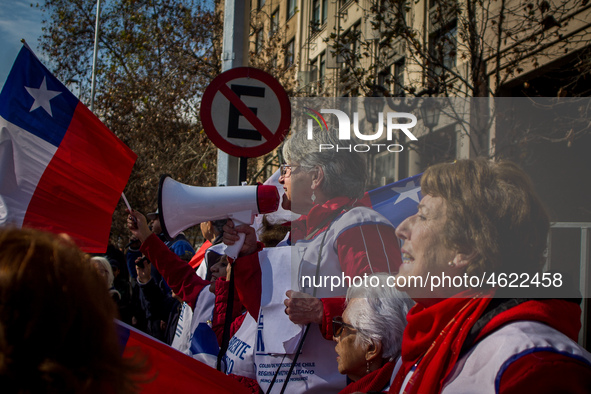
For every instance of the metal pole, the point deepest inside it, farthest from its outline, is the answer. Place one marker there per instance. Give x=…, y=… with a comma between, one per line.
x=234, y=54
x=94, y=55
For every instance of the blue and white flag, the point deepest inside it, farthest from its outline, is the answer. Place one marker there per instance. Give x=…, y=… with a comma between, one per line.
x=204, y=345
x=398, y=200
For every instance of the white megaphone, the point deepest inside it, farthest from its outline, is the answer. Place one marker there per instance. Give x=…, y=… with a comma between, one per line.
x=182, y=206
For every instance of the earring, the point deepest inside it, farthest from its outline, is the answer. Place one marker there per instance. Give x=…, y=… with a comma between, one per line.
x=452, y=264
x=313, y=197
x=367, y=370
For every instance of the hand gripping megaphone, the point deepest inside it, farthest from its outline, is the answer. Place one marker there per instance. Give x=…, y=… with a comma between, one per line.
x=182, y=206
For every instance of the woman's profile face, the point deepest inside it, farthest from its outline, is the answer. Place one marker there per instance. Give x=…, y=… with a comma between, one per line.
x=156, y=227
x=424, y=252
x=350, y=357
x=218, y=270
x=297, y=183
x=285, y=180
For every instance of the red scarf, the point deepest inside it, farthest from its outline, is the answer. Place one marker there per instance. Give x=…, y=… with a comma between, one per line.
x=320, y=216
x=433, y=339
x=373, y=381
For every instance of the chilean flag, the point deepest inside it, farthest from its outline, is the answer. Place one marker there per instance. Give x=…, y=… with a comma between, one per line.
x=61, y=169
x=172, y=371
x=398, y=200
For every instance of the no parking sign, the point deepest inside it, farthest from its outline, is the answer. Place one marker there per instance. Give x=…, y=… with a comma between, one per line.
x=245, y=112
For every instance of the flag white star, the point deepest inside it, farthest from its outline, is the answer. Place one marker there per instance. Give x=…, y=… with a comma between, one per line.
x=410, y=190
x=42, y=97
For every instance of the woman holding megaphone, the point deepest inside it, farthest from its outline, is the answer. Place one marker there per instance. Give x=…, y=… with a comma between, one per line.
x=337, y=241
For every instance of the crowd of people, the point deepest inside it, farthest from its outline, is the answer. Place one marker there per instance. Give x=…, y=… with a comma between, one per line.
x=254, y=319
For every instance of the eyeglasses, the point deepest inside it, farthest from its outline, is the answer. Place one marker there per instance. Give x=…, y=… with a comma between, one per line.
x=286, y=169
x=338, y=325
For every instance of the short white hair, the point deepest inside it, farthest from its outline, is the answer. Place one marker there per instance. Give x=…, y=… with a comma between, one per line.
x=106, y=265
x=379, y=314
x=345, y=172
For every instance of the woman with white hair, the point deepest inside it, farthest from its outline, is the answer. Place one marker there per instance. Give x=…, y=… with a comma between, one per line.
x=103, y=267
x=369, y=334
x=337, y=236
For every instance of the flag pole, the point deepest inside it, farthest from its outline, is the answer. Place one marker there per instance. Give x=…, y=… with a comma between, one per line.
x=126, y=202
x=94, y=55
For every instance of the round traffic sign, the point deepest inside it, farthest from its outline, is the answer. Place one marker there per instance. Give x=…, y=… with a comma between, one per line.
x=245, y=112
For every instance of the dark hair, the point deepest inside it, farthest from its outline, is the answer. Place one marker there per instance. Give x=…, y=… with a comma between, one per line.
x=493, y=210
x=57, y=331
x=219, y=225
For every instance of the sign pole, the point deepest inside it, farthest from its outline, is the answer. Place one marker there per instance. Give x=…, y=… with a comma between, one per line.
x=234, y=54
x=94, y=54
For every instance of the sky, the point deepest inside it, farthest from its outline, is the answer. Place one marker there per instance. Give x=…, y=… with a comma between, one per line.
x=18, y=20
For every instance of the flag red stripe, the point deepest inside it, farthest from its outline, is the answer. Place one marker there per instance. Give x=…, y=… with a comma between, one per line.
x=174, y=372
x=82, y=184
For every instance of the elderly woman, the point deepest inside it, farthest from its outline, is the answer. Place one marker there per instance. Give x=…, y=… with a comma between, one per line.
x=337, y=236
x=478, y=217
x=369, y=334
x=337, y=231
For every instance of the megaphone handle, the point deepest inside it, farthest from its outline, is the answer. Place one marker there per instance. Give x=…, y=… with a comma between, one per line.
x=232, y=251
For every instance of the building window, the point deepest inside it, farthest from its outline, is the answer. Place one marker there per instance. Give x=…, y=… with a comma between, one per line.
x=316, y=12
x=259, y=41
x=385, y=78
x=321, y=67
x=398, y=78
x=443, y=49
x=291, y=6
x=261, y=4
x=313, y=83
x=275, y=21
x=289, y=52
x=350, y=41
x=317, y=73
x=319, y=14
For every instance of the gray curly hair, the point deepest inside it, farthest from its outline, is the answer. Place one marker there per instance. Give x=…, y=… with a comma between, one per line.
x=344, y=171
